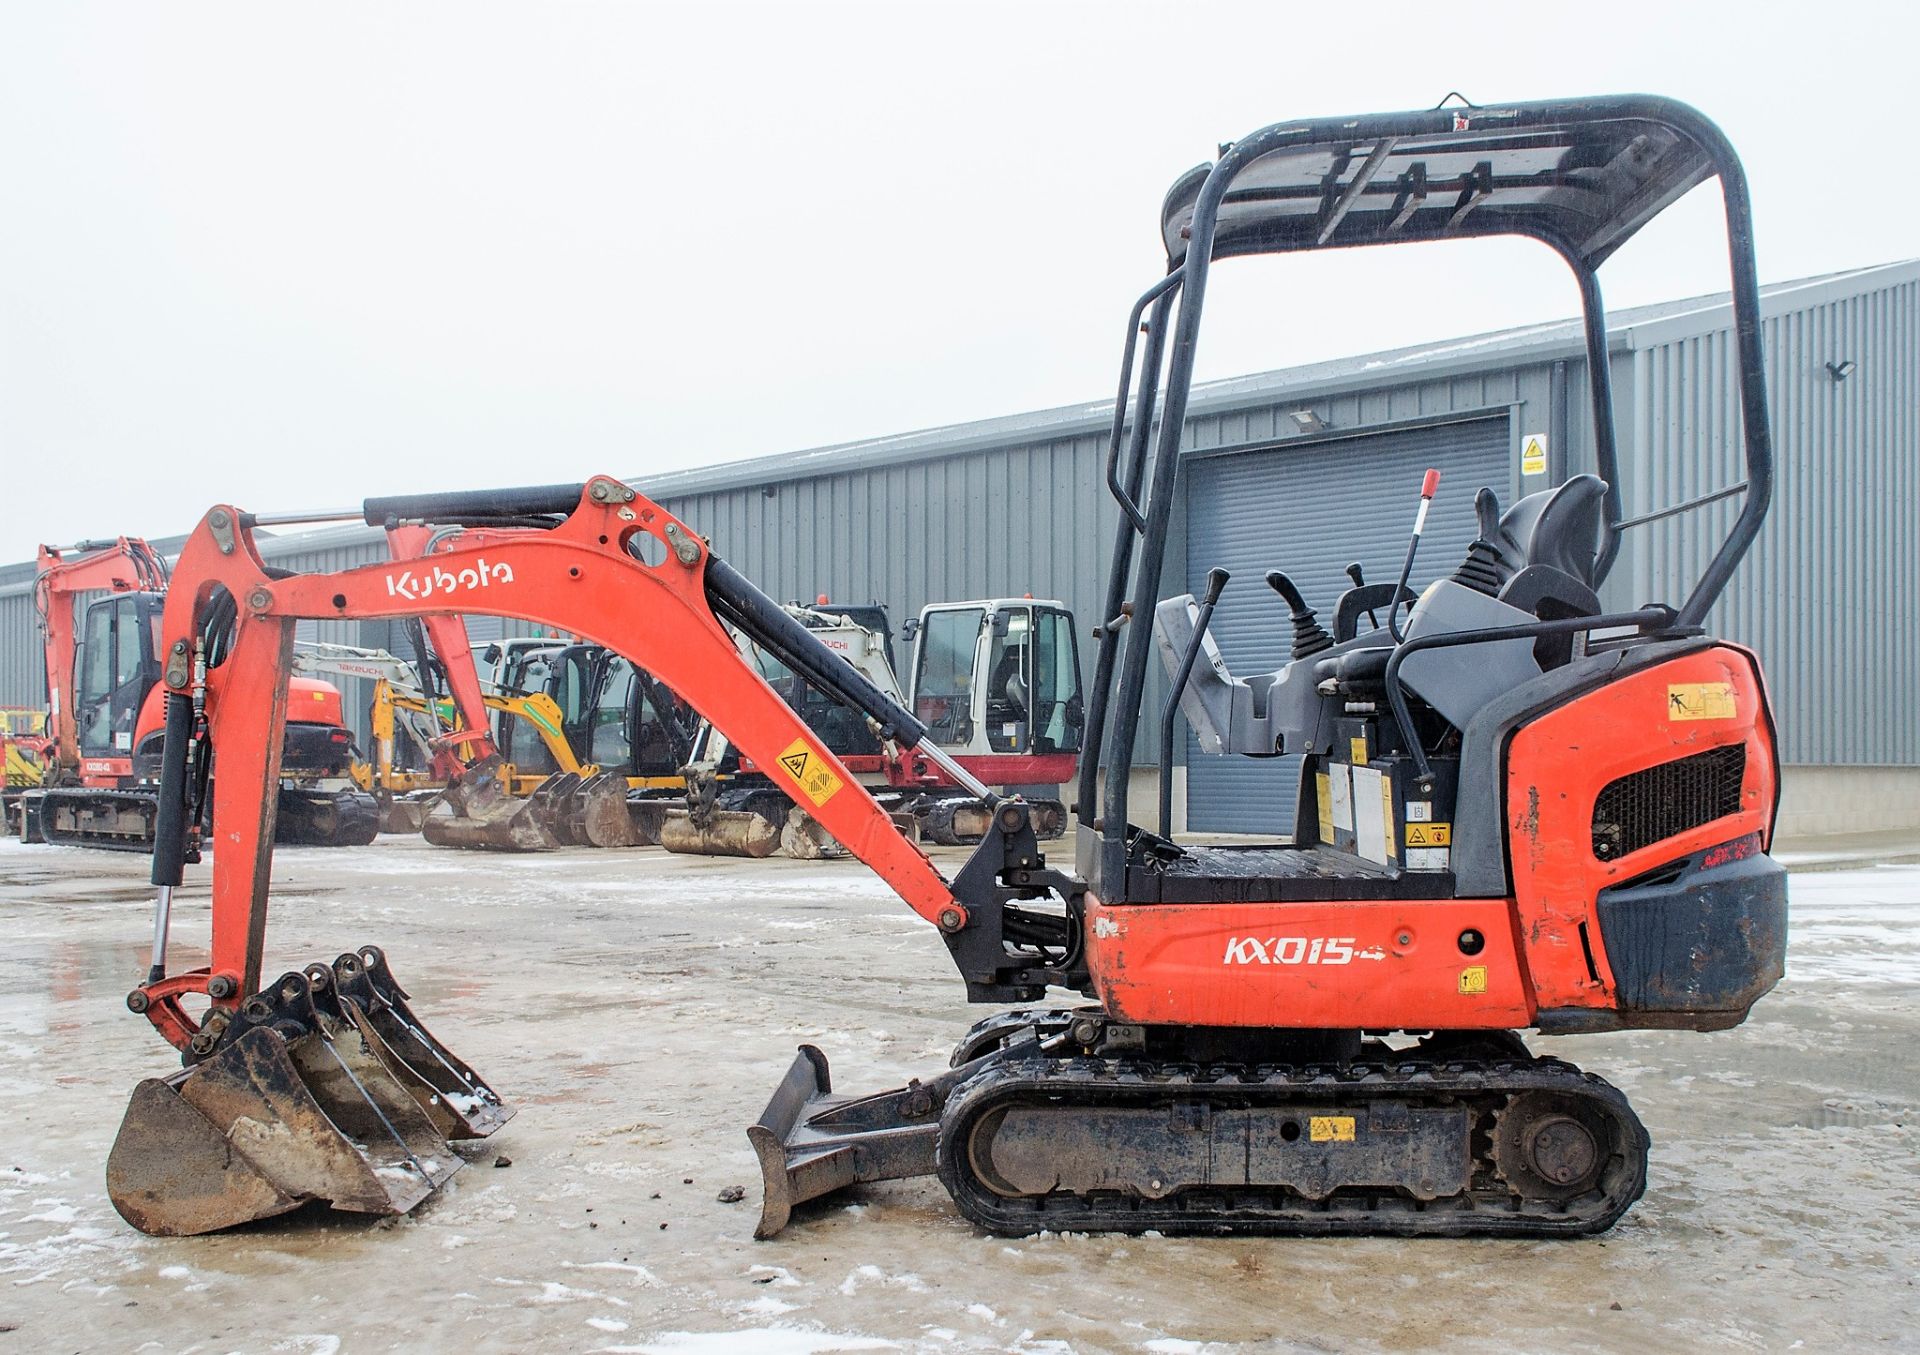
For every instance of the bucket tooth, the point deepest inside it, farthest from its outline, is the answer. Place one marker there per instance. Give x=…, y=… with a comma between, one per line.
x=726, y=832
x=290, y=1107
x=457, y=1099
x=811, y=1142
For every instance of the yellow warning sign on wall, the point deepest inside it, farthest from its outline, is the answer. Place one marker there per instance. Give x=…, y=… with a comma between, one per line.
x=1533, y=454
x=810, y=772
x=1700, y=701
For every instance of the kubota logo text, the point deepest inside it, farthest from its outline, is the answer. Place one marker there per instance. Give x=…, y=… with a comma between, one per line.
x=1297, y=950
x=480, y=574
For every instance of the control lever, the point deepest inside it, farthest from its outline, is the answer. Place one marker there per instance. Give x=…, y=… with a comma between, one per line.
x=1309, y=637
x=1360, y=581
x=1216, y=585
x=1429, y=486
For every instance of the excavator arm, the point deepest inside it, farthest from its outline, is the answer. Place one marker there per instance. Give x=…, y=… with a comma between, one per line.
x=322, y=1084
x=582, y=576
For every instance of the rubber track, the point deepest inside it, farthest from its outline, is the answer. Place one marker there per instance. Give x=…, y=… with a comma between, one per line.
x=1487, y=1209
x=76, y=795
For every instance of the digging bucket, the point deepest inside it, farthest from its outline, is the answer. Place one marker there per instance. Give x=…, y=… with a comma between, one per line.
x=725, y=832
x=292, y=1104
x=453, y=1096
x=476, y=812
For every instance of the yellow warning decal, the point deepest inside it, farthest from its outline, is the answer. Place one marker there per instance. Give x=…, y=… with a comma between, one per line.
x=1700, y=701
x=1533, y=454
x=810, y=772
x=1473, y=979
x=1358, y=750
x=1323, y=789
x=1386, y=816
x=1429, y=835
x=1330, y=1128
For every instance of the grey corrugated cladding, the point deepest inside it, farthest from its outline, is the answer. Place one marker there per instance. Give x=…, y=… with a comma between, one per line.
x=1015, y=504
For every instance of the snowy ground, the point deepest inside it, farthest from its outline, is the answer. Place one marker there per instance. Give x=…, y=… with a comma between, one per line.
x=638, y=1008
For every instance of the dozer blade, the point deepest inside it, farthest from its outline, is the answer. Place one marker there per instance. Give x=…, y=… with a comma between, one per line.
x=726, y=832
x=598, y=812
x=326, y=818
x=475, y=812
x=457, y=1099
x=811, y=1142
x=291, y=1106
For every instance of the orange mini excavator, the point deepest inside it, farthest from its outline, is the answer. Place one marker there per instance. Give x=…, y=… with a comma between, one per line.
x=1556, y=816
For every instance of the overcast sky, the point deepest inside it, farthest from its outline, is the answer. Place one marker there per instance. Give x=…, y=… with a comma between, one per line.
x=289, y=257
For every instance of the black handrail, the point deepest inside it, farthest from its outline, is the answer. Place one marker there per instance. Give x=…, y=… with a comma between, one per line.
x=1120, y=495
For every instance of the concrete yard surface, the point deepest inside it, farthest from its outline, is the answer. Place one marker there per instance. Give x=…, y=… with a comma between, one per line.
x=638, y=1008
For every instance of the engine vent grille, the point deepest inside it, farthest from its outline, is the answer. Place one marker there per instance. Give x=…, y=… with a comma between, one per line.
x=1660, y=802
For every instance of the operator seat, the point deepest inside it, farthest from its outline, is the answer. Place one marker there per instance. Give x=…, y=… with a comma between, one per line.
x=1559, y=528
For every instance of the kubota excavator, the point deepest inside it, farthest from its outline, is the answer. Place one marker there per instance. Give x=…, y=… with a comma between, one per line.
x=1287, y=1037
x=97, y=787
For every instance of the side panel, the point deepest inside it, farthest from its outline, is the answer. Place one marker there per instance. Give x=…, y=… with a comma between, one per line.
x=1329, y=966
x=1559, y=766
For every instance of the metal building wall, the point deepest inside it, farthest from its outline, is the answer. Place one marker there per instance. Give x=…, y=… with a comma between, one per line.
x=1827, y=595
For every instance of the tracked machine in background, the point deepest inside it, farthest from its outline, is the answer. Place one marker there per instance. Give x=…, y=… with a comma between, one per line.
x=98, y=780
x=996, y=682
x=1285, y=1037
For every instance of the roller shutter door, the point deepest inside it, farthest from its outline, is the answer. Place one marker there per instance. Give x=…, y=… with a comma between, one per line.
x=1308, y=512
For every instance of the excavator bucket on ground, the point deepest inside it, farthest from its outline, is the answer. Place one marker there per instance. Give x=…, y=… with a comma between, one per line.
x=477, y=812
x=720, y=832
x=321, y=1087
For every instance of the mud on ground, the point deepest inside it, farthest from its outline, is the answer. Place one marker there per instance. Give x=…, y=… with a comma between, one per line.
x=638, y=1009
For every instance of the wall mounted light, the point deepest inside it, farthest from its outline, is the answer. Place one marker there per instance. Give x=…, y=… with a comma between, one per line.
x=1841, y=370
x=1307, y=421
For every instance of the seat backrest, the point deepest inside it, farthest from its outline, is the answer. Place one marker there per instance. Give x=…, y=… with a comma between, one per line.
x=1559, y=527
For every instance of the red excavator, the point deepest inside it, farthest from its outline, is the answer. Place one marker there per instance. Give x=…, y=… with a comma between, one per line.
x=103, y=706
x=1519, y=809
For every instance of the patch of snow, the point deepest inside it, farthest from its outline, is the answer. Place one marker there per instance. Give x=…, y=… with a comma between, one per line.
x=753, y=1341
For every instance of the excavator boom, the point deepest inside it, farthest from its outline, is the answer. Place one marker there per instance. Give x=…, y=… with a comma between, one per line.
x=276, y=1052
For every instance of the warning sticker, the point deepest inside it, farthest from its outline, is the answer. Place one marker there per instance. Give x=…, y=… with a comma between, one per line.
x=1429, y=835
x=1330, y=1128
x=1358, y=750
x=1473, y=979
x=1700, y=701
x=1323, y=791
x=815, y=779
x=1533, y=454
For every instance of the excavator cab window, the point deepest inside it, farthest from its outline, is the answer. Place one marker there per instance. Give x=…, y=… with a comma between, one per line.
x=115, y=669
x=662, y=730
x=1058, y=714
x=607, y=746
x=525, y=673
x=1010, y=674
x=943, y=673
